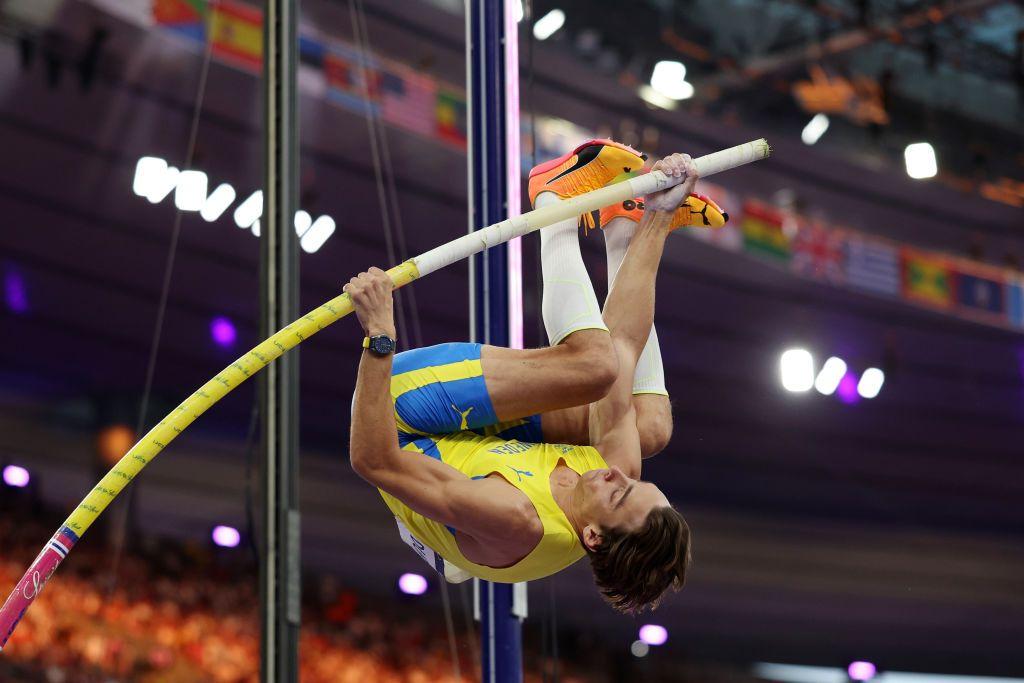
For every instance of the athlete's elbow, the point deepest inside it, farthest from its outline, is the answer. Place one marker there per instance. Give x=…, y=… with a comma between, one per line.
x=363, y=463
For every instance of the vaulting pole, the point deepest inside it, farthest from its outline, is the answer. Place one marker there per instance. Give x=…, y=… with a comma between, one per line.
x=493, y=118
x=41, y=570
x=279, y=392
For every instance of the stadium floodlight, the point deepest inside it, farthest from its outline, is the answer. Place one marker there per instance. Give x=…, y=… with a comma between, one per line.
x=549, y=24
x=847, y=391
x=861, y=671
x=669, y=79
x=217, y=203
x=652, y=96
x=163, y=185
x=639, y=648
x=190, y=193
x=250, y=210
x=302, y=222
x=814, y=129
x=148, y=172
x=16, y=477
x=317, y=234
x=412, y=584
x=652, y=634
x=223, y=331
x=920, y=160
x=796, y=368
x=830, y=375
x=870, y=383
x=15, y=292
x=226, y=536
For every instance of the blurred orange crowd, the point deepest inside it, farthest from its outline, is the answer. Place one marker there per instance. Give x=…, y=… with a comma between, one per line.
x=179, y=617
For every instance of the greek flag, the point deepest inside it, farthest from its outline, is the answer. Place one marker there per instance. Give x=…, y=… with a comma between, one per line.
x=872, y=266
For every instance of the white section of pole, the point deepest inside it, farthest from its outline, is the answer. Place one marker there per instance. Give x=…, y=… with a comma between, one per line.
x=501, y=232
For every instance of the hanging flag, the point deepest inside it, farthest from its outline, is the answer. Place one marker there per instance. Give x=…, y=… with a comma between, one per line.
x=762, y=231
x=351, y=79
x=817, y=252
x=927, y=278
x=236, y=31
x=871, y=265
x=185, y=17
x=450, y=113
x=1015, y=300
x=980, y=290
x=408, y=99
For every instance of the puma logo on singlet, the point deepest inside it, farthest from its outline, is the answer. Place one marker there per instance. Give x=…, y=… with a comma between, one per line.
x=520, y=473
x=464, y=425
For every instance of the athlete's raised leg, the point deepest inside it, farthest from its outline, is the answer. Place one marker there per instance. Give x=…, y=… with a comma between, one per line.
x=580, y=364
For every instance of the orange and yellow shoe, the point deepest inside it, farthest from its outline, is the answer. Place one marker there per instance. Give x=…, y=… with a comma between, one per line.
x=697, y=211
x=590, y=166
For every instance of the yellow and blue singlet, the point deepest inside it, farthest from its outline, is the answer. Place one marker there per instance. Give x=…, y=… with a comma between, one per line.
x=443, y=411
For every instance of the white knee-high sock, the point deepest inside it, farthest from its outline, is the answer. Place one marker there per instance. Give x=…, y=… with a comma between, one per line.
x=649, y=377
x=569, y=302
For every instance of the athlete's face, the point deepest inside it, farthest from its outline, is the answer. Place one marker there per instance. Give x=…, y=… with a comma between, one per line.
x=608, y=499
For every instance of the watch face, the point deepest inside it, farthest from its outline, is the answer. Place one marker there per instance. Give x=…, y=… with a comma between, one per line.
x=382, y=344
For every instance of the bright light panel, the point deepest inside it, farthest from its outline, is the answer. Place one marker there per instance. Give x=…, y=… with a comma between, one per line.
x=796, y=367
x=652, y=634
x=861, y=671
x=669, y=79
x=250, y=210
x=317, y=234
x=517, y=10
x=412, y=584
x=920, y=159
x=547, y=25
x=218, y=202
x=148, y=172
x=190, y=194
x=870, y=383
x=163, y=185
x=830, y=375
x=652, y=96
x=226, y=536
x=795, y=673
x=302, y=222
x=814, y=129
x=15, y=476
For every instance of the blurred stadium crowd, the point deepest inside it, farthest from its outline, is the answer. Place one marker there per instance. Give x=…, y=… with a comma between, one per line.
x=177, y=614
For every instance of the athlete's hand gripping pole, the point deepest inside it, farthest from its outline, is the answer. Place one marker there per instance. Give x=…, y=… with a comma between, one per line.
x=140, y=455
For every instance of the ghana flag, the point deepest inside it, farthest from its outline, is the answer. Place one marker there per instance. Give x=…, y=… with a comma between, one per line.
x=450, y=113
x=927, y=278
x=762, y=231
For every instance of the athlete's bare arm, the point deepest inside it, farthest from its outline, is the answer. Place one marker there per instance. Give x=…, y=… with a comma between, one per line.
x=629, y=314
x=482, y=509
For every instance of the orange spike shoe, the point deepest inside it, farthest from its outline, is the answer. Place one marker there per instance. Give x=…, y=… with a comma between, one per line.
x=697, y=211
x=590, y=166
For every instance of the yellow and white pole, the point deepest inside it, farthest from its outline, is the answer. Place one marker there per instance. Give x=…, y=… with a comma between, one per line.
x=157, y=439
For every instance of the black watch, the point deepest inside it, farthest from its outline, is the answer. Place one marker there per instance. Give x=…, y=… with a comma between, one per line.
x=380, y=344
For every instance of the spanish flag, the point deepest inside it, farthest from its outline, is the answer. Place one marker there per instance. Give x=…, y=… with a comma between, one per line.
x=927, y=278
x=236, y=31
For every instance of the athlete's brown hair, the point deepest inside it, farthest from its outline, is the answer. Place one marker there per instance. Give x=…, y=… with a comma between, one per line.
x=633, y=570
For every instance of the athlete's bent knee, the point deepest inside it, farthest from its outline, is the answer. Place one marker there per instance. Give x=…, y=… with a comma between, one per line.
x=599, y=367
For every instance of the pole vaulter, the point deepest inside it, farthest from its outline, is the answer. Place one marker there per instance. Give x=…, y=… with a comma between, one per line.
x=156, y=440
